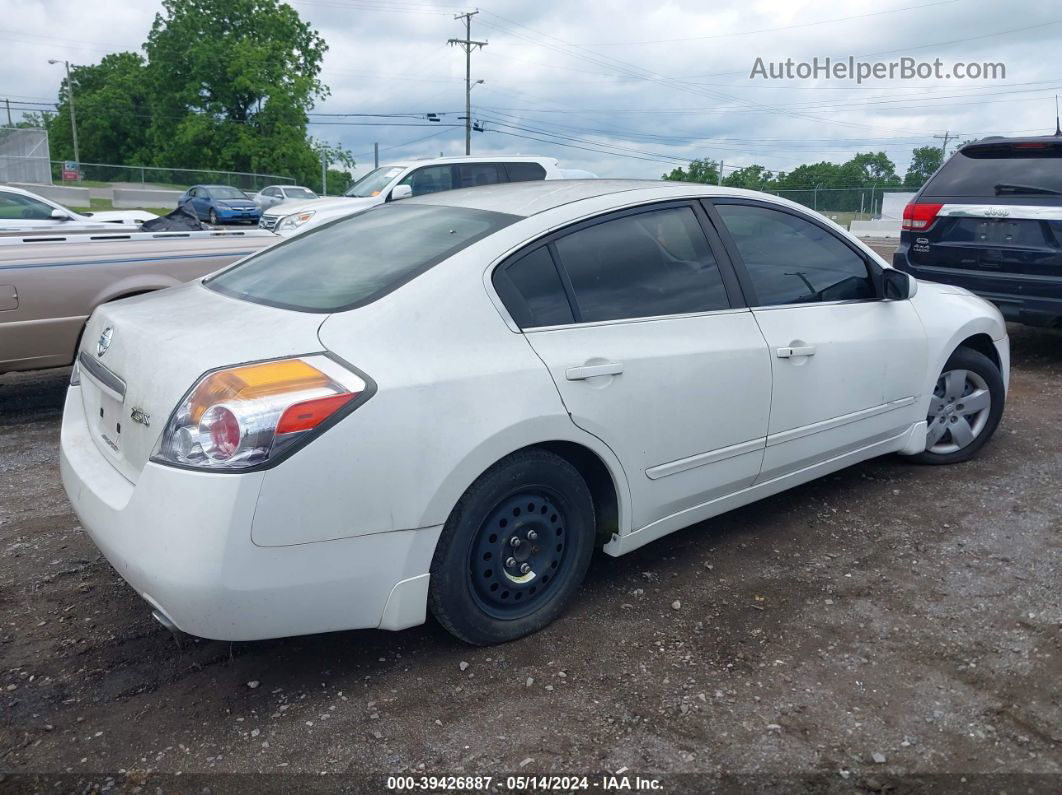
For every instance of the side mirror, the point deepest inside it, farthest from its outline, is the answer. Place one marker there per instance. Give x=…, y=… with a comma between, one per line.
x=60, y=215
x=401, y=192
x=899, y=286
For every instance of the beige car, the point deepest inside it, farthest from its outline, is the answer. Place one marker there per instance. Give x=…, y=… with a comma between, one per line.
x=49, y=284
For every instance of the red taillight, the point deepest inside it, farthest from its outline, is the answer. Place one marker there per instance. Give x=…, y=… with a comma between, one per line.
x=311, y=413
x=918, y=217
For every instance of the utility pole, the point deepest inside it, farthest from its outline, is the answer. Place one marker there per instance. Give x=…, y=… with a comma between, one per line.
x=376, y=155
x=467, y=45
x=324, y=173
x=8, y=103
x=719, y=176
x=944, y=148
x=73, y=115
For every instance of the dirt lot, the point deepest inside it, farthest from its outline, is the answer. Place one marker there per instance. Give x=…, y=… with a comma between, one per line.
x=887, y=621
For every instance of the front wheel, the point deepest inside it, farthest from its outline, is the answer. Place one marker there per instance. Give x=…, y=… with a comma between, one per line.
x=213, y=217
x=514, y=550
x=965, y=409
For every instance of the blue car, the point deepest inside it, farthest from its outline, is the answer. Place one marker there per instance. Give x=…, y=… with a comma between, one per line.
x=219, y=204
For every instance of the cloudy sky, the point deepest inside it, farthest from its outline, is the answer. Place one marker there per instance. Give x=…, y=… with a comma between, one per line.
x=622, y=88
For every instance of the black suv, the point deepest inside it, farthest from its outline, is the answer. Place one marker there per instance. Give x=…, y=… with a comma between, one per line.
x=990, y=220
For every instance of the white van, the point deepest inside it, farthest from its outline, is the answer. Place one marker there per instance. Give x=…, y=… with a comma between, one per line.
x=412, y=178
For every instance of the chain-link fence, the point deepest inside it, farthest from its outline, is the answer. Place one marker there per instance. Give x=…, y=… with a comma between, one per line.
x=174, y=178
x=861, y=203
x=24, y=156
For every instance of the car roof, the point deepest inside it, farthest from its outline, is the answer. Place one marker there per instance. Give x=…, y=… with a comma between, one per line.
x=427, y=161
x=996, y=140
x=530, y=198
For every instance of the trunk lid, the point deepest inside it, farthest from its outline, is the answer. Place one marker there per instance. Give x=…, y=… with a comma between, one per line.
x=157, y=348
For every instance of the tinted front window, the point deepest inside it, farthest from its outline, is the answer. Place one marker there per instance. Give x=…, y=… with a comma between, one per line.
x=1031, y=169
x=23, y=208
x=525, y=172
x=356, y=260
x=430, y=179
x=540, y=299
x=793, y=261
x=644, y=265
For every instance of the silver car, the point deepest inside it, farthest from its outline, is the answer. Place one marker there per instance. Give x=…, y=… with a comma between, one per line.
x=275, y=194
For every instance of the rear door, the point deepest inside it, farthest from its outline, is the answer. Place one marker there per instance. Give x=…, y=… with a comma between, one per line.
x=632, y=314
x=847, y=366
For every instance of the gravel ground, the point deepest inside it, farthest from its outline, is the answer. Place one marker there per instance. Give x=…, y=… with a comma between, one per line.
x=890, y=626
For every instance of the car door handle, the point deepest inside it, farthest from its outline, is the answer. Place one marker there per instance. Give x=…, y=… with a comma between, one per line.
x=592, y=370
x=790, y=352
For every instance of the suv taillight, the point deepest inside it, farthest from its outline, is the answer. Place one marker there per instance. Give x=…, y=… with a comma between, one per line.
x=919, y=217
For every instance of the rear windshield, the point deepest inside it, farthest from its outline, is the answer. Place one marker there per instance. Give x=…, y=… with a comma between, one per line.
x=1010, y=169
x=355, y=260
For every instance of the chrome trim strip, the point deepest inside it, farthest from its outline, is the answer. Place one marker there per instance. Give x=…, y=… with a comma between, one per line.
x=1001, y=212
x=104, y=378
x=625, y=320
x=702, y=459
x=837, y=422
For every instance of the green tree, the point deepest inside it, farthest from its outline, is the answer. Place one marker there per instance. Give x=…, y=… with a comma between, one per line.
x=225, y=86
x=924, y=161
x=112, y=112
x=752, y=177
x=870, y=168
x=703, y=170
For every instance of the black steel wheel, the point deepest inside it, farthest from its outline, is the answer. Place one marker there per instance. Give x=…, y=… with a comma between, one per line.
x=517, y=553
x=514, y=551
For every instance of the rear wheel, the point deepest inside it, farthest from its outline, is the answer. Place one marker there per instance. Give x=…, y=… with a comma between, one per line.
x=965, y=409
x=514, y=551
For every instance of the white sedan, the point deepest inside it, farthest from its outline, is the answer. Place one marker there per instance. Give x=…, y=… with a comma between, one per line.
x=22, y=210
x=446, y=403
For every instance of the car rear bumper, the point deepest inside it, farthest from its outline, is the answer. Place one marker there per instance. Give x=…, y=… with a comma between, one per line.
x=182, y=540
x=1020, y=298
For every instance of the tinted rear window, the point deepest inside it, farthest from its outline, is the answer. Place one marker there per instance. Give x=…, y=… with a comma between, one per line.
x=354, y=261
x=995, y=170
x=525, y=172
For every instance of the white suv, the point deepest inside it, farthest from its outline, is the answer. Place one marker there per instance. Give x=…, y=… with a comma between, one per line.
x=412, y=178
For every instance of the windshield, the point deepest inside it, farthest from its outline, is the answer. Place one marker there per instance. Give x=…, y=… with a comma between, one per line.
x=225, y=192
x=373, y=182
x=1005, y=169
x=299, y=193
x=355, y=260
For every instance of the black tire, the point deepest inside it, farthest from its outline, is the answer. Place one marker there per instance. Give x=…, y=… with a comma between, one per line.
x=976, y=362
x=531, y=494
x=212, y=217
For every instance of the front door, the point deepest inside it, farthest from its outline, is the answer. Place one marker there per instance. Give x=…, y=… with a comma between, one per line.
x=650, y=355
x=847, y=366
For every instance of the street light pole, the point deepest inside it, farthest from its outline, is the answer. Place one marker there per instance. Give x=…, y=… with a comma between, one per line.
x=73, y=113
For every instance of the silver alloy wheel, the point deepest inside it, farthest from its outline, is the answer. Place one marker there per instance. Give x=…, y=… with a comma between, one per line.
x=958, y=412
